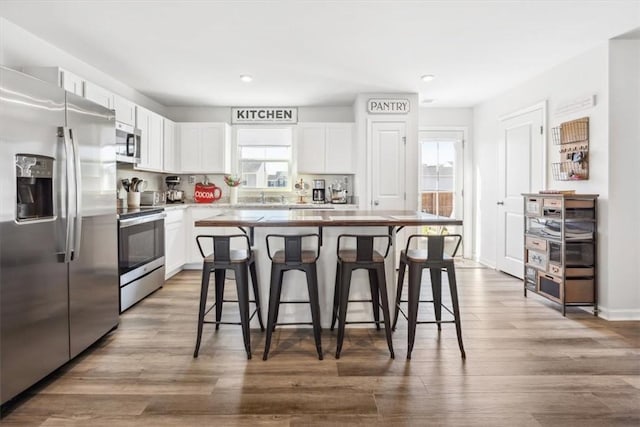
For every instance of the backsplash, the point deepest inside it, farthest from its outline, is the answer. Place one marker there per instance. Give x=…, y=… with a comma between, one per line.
x=156, y=182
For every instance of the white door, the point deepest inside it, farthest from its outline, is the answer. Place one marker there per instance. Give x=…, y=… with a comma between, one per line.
x=520, y=170
x=388, y=165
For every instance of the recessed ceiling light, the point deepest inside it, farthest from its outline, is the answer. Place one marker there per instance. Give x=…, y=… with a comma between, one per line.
x=247, y=78
x=428, y=100
x=427, y=77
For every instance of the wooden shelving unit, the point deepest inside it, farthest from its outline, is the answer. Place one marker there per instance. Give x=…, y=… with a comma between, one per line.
x=560, y=235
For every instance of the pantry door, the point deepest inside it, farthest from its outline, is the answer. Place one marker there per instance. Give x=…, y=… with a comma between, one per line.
x=388, y=165
x=521, y=169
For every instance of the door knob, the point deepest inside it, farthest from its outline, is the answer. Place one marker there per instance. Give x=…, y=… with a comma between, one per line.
x=499, y=203
x=376, y=202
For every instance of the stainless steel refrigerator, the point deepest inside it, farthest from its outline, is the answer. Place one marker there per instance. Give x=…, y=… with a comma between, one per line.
x=58, y=232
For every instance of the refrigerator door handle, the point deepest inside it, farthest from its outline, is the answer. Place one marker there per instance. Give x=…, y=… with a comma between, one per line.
x=77, y=177
x=68, y=151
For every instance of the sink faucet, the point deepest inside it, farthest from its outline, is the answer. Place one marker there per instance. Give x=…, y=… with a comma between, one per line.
x=282, y=199
x=262, y=198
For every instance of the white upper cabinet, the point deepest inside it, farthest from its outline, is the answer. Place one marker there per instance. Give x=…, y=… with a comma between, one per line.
x=171, y=159
x=59, y=77
x=325, y=148
x=204, y=147
x=99, y=95
x=125, y=110
x=151, y=129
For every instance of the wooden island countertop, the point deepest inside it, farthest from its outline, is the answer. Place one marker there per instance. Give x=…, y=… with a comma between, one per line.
x=322, y=218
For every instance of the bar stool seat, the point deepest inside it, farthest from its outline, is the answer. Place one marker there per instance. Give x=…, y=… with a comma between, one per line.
x=436, y=261
x=349, y=260
x=293, y=257
x=242, y=262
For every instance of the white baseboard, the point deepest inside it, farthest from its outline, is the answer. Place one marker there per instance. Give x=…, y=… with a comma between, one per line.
x=486, y=263
x=619, y=314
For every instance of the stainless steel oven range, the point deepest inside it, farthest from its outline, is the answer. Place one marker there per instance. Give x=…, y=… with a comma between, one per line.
x=140, y=253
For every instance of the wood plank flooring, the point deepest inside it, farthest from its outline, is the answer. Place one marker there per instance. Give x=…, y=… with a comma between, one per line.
x=526, y=366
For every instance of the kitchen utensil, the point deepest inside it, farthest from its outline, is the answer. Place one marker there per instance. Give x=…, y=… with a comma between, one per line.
x=134, y=183
x=125, y=184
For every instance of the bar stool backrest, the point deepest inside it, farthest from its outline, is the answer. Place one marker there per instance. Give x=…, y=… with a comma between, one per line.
x=436, y=244
x=365, y=245
x=293, y=246
x=221, y=245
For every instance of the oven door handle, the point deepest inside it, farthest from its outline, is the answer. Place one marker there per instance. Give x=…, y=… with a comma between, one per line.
x=141, y=220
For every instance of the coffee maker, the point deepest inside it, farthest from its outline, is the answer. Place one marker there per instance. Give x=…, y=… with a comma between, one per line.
x=173, y=194
x=318, y=193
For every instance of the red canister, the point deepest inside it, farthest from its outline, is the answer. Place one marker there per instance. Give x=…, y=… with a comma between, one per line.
x=206, y=193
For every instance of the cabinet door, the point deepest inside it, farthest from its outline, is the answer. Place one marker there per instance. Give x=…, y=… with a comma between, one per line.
x=189, y=143
x=170, y=150
x=310, y=148
x=338, y=148
x=175, y=242
x=213, y=153
x=156, y=131
x=125, y=110
x=71, y=82
x=143, y=122
x=98, y=95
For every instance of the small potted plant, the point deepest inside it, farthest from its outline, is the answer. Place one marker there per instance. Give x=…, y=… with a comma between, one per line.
x=233, y=182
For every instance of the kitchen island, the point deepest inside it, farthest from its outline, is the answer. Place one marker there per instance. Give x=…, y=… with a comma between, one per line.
x=329, y=225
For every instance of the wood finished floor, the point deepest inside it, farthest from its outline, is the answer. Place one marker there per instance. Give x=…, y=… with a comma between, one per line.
x=526, y=366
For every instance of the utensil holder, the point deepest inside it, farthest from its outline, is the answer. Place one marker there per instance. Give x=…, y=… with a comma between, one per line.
x=133, y=199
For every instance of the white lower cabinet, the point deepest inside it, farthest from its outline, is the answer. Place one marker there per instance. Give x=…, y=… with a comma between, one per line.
x=175, y=225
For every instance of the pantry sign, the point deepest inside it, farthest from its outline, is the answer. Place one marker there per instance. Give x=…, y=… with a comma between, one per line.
x=262, y=115
x=388, y=106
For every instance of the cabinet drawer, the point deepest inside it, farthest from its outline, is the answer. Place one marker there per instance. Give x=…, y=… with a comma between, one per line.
x=537, y=259
x=555, y=269
x=533, y=206
x=580, y=271
x=552, y=203
x=550, y=286
x=579, y=291
x=536, y=243
x=578, y=203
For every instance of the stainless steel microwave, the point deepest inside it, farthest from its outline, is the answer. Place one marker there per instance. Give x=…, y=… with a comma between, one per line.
x=127, y=143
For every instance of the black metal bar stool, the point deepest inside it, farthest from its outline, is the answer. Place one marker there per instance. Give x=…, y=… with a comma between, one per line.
x=363, y=257
x=436, y=261
x=242, y=262
x=293, y=257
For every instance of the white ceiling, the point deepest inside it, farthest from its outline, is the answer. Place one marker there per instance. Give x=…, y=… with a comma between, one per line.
x=306, y=53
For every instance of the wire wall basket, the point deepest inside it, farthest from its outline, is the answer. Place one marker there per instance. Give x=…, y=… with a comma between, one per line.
x=571, y=132
x=570, y=171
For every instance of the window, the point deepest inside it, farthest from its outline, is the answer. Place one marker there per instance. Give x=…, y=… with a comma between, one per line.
x=264, y=157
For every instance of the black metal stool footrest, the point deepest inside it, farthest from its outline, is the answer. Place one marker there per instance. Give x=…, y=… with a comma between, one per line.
x=294, y=323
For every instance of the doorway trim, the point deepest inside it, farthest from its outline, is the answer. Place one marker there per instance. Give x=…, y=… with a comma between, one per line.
x=467, y=183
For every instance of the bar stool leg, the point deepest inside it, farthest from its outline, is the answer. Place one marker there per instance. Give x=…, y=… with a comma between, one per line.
x=204, y=287
x=436, y=289
x=256, y=292
x=336, y=297
x=278, y=299
x=396, y=312
x=220, y=274
x=451, y=274
x=375, y=296
x=345, y=285
x=276, y=278
x=382, y=286
x=415, y=277
x=242, y=285
x=314, y=300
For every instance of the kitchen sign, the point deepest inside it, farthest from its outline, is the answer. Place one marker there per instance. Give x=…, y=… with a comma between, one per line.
x=261, y=115
x=388, y=106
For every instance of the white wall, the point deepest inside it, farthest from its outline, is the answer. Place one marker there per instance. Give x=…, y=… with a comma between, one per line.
x=623, y=298
x=20, y=48
x=585, y=74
